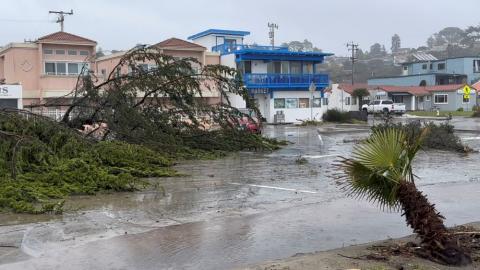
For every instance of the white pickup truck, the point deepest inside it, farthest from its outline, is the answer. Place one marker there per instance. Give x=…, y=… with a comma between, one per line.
x=384, y=106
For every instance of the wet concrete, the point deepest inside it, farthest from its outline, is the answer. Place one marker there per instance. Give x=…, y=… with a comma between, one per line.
x=240, y=210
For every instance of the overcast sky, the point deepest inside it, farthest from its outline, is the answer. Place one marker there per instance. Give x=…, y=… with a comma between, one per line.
x=120, y=24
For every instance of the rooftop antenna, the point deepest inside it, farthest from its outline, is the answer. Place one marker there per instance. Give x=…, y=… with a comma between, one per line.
x=61, y=16
x=271, y=33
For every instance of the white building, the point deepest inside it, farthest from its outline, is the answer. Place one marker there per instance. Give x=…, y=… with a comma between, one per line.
x=277, y=78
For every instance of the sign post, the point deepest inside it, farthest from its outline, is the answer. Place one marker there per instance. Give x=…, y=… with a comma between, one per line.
x=466, y=94
x=312, y=89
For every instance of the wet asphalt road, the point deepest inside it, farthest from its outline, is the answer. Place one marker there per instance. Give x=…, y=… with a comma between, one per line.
x=240, y=210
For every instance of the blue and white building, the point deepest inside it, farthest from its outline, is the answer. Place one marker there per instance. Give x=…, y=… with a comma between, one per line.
x=459, y=70
x=277, y=78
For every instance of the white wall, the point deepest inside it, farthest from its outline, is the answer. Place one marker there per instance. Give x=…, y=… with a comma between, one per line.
x=206, y=41
x=338, y=98
x=295, y=115
x=259, y=67
x=228, y=60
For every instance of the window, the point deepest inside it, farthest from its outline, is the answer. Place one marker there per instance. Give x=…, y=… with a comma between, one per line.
x=50, y=68
x=274, y=67
x=466, y=100
x=61, y=68
x=427, y=98
x=279, y=103
x=388, y=102
x=291, y=103
x=84, y=53
x=376, y=102
x=317, y=102
x=295, y=67
x=476, y=66
x=441, y=66
x=405, y=68
x=354, y=100
x=73, y=68
x=304, y=102
x=64, y=68
x=48, y=51
x=60, y=52
x=72, y=52
x=347, y=101
x=104, y=72
x=431, y=66
x=248, y=67
x=285, y=67
x=325, y=101
x=441, y=99
x=118, y=72
x=424, y=66
x=307, y=68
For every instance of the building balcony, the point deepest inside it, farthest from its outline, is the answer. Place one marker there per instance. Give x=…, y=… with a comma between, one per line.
x=230, y=48
x=285, y=81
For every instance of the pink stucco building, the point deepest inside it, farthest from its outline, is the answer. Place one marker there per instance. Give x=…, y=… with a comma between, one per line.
x=174, y=47
x=48, y=67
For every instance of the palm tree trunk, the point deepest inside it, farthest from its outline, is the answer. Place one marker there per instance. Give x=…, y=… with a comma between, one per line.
x=427, y=223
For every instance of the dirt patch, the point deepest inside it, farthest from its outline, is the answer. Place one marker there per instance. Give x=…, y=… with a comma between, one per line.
x=403, y=253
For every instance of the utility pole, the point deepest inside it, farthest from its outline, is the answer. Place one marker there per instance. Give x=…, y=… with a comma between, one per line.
x=61, y=16
x=353, y=48
x=271, y=33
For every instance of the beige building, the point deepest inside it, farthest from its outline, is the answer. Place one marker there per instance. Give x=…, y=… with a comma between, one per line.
x=48, y=67
x=175, y=47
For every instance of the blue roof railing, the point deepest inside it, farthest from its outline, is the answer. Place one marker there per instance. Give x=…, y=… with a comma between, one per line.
x=285, y=80
x=230, y=48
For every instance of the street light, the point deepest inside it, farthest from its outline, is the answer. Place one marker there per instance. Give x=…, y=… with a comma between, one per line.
x=312, y=89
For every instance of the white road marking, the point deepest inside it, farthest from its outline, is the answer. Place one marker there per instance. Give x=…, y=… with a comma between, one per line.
x=278, y=188
x=470, y=138
x=319, y=156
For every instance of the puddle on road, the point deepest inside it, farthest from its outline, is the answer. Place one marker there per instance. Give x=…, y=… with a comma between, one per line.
x=264, y=215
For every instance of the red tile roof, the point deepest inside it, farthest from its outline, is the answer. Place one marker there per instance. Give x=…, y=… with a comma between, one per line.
x=413, y=90
x=178, y=43
x=64, y=36
x=349, y=88
x=476, y=86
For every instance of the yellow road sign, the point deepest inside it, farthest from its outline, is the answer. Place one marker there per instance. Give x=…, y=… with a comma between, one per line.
x=466, y=90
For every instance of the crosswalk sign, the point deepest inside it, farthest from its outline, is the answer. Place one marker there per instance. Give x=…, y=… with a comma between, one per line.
x=466, y=92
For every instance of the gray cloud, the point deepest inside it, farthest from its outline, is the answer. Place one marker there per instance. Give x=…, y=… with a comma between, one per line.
x=120, y=24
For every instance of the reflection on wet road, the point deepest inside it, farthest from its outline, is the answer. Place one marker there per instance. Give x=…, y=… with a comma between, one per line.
x=243, y=209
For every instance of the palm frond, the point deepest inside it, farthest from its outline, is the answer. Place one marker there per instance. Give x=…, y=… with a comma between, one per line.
x=378, y=166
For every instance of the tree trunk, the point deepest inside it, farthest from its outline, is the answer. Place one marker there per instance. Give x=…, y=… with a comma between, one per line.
x=427, y=223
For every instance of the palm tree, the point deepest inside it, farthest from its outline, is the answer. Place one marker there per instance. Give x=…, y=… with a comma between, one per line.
x=381, y=170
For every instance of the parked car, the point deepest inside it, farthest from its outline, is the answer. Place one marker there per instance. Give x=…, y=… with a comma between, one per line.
x=384, y=106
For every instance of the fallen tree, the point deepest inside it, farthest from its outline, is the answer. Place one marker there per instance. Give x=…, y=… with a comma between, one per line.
x=120, y=129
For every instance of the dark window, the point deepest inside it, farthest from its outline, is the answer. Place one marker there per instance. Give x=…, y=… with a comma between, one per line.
x=48, y=51
x=50, y=68
x=423, y=83
x=431, y=66
x=441, y=66
x=84, y=53
x=59, y=51
x=279, y=103
x=387, y=102
x=248, y=66
x=73, y=68
x=476, y=66
x=61, y=68
x=72, y=52
x=405, y=67
x=441, y=99
x=424, y=66
x=376, y=102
